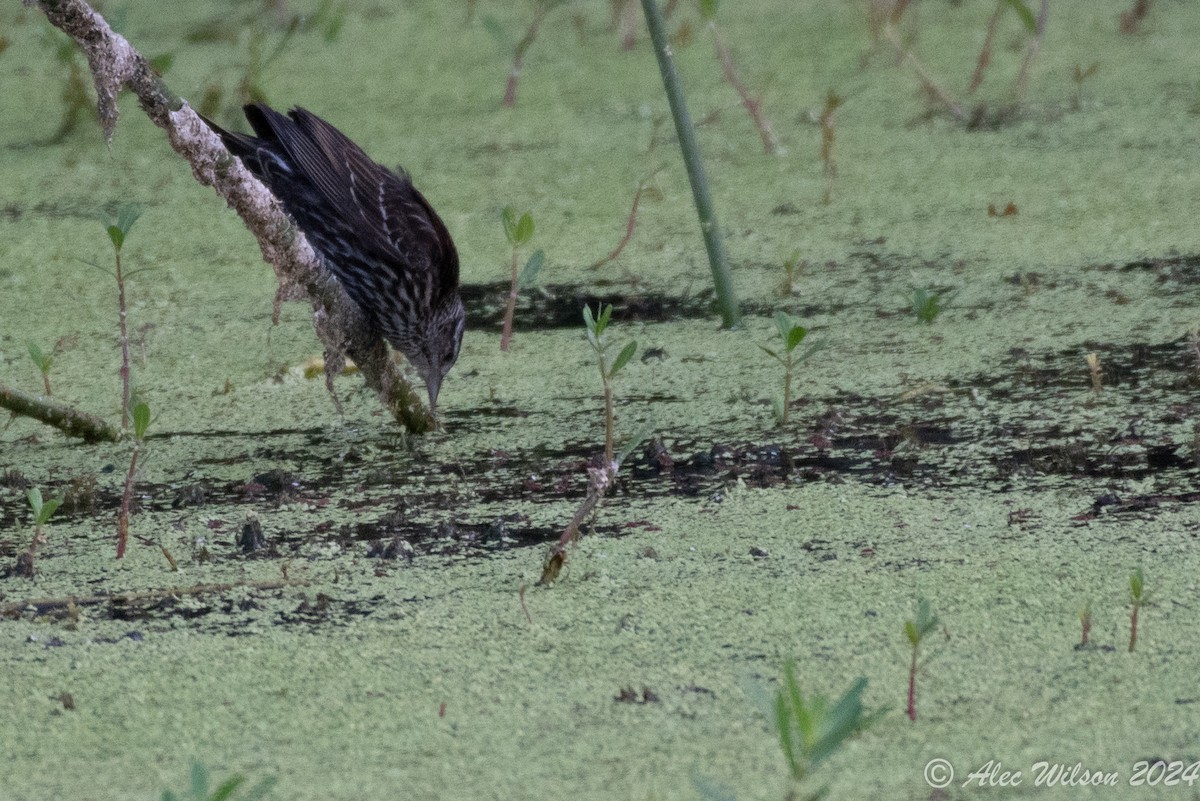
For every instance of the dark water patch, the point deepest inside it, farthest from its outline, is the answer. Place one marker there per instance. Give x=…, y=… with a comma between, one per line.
x=1173, y=270
x=555, y=306
x=1030, y=422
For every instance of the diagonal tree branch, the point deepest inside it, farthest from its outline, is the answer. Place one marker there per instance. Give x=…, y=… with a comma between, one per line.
x=339, y=324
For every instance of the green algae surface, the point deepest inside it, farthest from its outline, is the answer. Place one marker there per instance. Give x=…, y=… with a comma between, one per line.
x=376, y=645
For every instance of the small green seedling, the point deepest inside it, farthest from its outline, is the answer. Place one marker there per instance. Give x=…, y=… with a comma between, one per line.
x=791, y=334
x=595, y=329
x=44, y=362
x=600, y=479
x=915, y=630
x=810, y=729
x=141, y=421
x=1137, y=596
x=927, y=305
x=792, y=266
x=518, y=231
x=118, y=231
x=226, y=791
x=43, y=510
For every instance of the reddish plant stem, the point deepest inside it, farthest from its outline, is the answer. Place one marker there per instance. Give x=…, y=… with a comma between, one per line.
x=630, y=225
x=126, y=502
x=514, y=74
x=1133, y=623
x=1131, y=20
x=510, y=308
x=985, y=52
x=752, y=104
x=828, y=136
x=1031, y=52
x=906, y=57
x=122, y=313
x=1085, y=627
x=912, y=687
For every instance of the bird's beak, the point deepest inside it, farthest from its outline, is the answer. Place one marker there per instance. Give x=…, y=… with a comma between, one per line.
x=434, y=384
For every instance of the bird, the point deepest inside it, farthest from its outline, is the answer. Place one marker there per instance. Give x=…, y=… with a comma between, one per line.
x=377, y=235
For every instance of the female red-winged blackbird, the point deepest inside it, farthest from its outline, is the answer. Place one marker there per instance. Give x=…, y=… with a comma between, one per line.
x=373, y=230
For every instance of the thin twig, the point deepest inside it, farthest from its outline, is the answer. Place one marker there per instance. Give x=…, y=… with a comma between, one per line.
x=833, y=101
x=985, y=52
x=753, y=104
x=630, y=223
x=599, y=480
x=510, y=88
x=927, y=81
x=1031, y=52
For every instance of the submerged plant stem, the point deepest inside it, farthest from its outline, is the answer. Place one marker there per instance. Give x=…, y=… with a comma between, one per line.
x=713, y=241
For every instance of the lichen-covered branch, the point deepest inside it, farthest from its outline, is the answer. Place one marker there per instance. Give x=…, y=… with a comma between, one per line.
x=67, y=419
x=339, y=323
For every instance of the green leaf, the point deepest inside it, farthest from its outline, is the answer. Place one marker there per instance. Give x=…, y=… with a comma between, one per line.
x=623, y=358
x=227, y=788
x=708, y=9
x=588, y=320
x=127, y=215
x=259, y=790
x=925, y=621
x=783, y=324
x=42, y=361
x=1136, y=584
x=634, y=441
x=787, y=736
x=116, y=235
x=524, y=230
x=509, y=218
x=532, y=268
x=48, y=509
x=795, y=337
x=810, y=351
x=1025, y=13
x=603, y=318
x=771, y=353
x=199, y=780
x=141, y=419
x=35, y=500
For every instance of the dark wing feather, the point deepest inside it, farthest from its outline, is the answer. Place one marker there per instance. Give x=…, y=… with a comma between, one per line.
x=393, y=219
